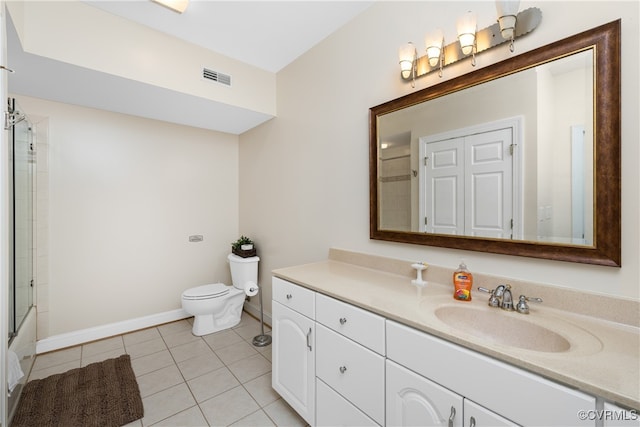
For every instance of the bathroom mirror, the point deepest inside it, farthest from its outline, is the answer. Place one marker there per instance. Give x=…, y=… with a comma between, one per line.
x=521, y=157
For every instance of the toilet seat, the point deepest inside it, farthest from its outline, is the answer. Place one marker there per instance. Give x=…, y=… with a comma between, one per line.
x=215, y=290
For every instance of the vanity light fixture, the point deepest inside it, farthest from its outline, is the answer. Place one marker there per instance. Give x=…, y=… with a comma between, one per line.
x=467, y=34
x=507, y=17
x=434, y=41
x=407, y=55
x=471, y=41
x=176, y=5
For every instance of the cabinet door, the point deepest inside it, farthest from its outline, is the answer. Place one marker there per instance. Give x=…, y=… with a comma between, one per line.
x=478, y=416
x=413, y=400
x=614, y=415
x=293, y=375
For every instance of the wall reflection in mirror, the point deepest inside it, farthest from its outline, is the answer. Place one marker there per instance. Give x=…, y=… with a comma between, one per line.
x=511, y=158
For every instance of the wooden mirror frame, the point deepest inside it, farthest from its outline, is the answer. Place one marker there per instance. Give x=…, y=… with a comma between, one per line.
x=606, y=249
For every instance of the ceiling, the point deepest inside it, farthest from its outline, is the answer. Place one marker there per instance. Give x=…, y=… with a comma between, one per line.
x=265, y=34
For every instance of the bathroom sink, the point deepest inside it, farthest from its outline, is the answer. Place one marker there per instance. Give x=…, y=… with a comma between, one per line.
x=504, y=328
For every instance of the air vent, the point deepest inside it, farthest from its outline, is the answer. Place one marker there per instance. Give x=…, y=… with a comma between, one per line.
x=221, y=78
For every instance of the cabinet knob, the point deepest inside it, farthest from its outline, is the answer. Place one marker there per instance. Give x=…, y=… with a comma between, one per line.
x=289, y=296
x=343, y=320
x=343, y=369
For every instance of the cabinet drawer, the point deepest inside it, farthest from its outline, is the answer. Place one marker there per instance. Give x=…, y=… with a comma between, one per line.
x=518, y=395
x=335, y=410
x=360, y=325
x=294, y=296
x=352, y=370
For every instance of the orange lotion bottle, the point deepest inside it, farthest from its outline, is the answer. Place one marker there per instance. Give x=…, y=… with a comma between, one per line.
x=462, y=282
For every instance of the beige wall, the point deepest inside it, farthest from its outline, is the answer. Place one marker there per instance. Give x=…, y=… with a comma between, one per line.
x=124, y=195
x=304, y=175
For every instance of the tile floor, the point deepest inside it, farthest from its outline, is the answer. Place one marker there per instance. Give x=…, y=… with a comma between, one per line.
x=214, y=380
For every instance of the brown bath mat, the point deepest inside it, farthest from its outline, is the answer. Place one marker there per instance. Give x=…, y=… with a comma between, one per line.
x=102, y=394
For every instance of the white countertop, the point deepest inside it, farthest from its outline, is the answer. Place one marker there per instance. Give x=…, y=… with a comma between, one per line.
x=603, y=358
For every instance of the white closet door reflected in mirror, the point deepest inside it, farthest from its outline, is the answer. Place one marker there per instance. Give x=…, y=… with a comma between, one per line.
x=469, y=182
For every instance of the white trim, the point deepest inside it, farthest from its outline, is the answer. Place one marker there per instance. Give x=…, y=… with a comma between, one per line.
x=82, y=336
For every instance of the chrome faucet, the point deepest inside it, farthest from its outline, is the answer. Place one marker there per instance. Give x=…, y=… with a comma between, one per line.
x=502, y=297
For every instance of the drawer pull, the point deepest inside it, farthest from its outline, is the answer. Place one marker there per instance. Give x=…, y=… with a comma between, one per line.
x=452, y=416
x=289, y=296
x=309, y=339
x=343, y=320
x=472, y=422
x=343, y=369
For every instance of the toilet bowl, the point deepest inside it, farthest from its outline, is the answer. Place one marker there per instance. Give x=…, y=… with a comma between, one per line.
x=217, y=306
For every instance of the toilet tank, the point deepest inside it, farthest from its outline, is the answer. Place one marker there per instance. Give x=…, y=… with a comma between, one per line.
x=243, y=270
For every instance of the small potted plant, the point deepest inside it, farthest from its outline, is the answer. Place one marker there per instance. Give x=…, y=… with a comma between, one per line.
x=243, y=247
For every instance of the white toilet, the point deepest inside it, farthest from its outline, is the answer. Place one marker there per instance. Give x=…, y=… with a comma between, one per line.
x=217, y=306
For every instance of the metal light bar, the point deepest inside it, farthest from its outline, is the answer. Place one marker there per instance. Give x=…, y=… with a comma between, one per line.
x=486, y=38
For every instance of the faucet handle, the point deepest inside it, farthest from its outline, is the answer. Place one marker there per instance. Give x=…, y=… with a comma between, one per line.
x=522, y=306
x=493, y=299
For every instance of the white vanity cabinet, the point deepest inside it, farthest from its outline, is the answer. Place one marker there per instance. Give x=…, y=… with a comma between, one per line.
x=494, y=386
x=293, y=370
x=340, y=365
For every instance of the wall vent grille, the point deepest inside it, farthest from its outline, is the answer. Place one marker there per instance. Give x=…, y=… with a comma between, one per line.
x=216, y=76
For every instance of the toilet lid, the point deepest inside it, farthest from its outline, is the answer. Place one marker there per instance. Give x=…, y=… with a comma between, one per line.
x=214, y=290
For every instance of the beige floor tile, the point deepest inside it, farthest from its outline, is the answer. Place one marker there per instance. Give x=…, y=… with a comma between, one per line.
x=265, y=351
x=236, y=352
x=159, y=380
x=222, y=339
x=261, y=391
x=58, y=357
x=228, y=407
x=166, y=403
x=111, y=354
x=179, y=338
x=146, y=348
x=283, y=415
x=191, y=417
x=258, y=418
x=103, y=346
x=176, y=370
x=212, y=384
x=52, y=370
x=194, y=367
x=174, y=327
x=136, y=423
x=190, y=350
x=249, y=331
x=250, y=368
x=140, y=336
x=152, y=362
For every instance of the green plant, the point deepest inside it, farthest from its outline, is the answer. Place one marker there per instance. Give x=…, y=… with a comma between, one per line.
x=243, y=240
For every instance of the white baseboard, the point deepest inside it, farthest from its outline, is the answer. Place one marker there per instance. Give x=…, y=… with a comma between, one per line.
x=82, y=336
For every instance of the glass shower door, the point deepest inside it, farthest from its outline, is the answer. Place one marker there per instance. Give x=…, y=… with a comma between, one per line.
x=24, y=172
